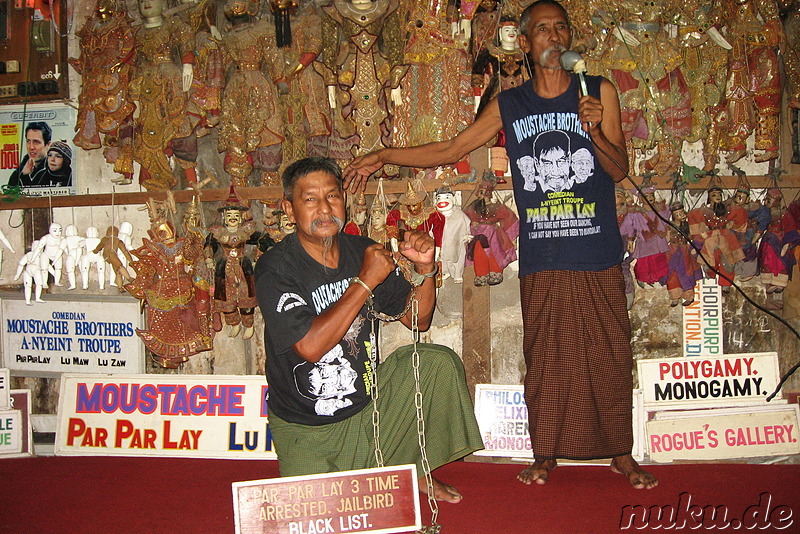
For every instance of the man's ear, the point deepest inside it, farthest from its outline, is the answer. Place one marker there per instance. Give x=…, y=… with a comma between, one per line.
x=524, y=45
x=288, y=209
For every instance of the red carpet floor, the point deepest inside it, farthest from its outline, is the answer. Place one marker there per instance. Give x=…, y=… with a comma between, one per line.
x=161, y=495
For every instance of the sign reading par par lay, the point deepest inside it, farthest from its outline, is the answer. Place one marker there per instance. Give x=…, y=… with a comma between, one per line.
x=61, y=336
x=195, y=416
x=379, y=500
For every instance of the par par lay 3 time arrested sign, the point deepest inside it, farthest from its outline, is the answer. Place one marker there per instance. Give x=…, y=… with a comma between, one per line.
x=194, y=416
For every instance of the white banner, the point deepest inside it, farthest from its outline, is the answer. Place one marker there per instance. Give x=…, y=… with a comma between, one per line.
x=721, y=434
x=503, y=421
x=702, y=321
x=5, y=388
x=196, y=416
x=705, y=382
x=63, y=336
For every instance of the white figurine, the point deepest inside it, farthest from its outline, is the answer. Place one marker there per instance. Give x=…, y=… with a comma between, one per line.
x=455, y=235
x=92, y=258
x=125, y=235
x=75, y=245
x=50, y=253
x=31, y=274
x=4, y=240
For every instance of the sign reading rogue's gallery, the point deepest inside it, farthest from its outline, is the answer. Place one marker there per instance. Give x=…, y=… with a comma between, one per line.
x=62, y=336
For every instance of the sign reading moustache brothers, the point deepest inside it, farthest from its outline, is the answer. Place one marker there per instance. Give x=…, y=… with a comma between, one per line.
x=63, y=336
x=193, y=416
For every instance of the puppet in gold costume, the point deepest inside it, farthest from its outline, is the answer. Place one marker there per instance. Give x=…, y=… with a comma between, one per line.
x=175, y=327
x=251, y=128
x=363, y=47
x=160, y=89
x=753, y=89
x=107, y=45
x=435, y=94
x=304, y=102
x=791, y=52
x=234, y=291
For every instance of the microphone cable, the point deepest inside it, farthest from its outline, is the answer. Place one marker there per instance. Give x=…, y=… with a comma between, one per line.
x=713, y=269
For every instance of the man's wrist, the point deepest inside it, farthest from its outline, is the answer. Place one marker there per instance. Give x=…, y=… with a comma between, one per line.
x=417, y=278
x=425, y=268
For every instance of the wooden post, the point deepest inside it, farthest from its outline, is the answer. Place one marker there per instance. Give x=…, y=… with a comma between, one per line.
x=476, y=332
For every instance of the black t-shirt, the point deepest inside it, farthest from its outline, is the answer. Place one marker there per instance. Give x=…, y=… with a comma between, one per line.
x=292, y=289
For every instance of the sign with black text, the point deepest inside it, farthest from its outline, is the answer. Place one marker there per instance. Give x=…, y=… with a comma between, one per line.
x=379, y=500
x=192, y=416
x=5, y=388
x=71, y=336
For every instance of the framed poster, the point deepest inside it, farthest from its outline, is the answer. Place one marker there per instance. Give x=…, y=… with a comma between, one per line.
x=36, y=149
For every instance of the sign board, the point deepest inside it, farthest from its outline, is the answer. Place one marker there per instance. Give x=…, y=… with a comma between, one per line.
x=708, y=381
x=60, y=119
x=16, y=431
x=77, y=336
x=197, y=416
x=379, y=500
x=503, y=421
x=5, y=388
x=724, y=434
x=702, y=321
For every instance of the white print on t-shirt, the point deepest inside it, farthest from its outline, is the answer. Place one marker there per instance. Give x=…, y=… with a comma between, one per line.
x=328, y=381
x=327, y=294
x=289, y=301
x=553, y=167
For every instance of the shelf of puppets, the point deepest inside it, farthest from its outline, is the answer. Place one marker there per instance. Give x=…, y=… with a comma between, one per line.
x=785, y=181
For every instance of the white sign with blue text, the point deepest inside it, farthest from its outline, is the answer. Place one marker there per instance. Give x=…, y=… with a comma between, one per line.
x=63, y=336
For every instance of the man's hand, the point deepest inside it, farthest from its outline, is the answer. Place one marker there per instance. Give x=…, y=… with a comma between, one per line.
x=590, y=113
x=28, y=168
x=377, y=265
x=360, y=169
x=420, y=249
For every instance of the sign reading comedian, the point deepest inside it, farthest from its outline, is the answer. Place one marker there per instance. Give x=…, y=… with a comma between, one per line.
x=708, y=381
x=702, y=321
x=195, y=416
x=63, y=336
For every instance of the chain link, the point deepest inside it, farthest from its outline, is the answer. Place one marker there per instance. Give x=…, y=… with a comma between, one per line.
x=413, y=306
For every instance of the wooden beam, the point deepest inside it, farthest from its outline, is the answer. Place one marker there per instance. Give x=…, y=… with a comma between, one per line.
x=786, y=181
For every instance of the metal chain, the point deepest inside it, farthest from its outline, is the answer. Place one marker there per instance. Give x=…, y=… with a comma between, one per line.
x=413, y=305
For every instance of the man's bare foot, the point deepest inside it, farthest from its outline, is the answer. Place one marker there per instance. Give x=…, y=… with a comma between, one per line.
x=441, y=491
x=638, y=477
x=537, y=472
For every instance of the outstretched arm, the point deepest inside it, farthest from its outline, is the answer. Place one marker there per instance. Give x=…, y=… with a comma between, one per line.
x=428, y=155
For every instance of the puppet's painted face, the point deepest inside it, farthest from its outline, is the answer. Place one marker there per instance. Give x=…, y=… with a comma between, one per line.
x=445, y=202
x=232, y=218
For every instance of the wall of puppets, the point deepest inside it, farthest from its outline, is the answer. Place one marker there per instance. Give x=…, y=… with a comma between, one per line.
x=175, y=120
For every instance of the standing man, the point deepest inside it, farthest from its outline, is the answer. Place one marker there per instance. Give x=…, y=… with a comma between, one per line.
x=315, y=289
x=576, y=330
x=37, y=139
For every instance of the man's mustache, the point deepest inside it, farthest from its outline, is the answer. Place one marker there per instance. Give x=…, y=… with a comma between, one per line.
x=545, y=57
x=325, y=220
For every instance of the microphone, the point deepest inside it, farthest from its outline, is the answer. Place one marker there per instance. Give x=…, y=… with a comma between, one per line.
x=573, y=62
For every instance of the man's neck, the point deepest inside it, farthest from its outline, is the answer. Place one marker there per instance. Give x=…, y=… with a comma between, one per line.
x=325, y=255
x=550, y=83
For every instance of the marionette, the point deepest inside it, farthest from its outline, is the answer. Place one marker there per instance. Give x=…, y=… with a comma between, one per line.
x=684, y=271
x=50, y=253
x=75, y=246
x=234, y=287
x=358, y=215
x=110, y=246
x=432, y=104
x=414, y=214
x=126, y=238
x=709, y=226
x=362, y=50
x=31, y=273
x=773, y=262
x=173, y=329
x=250, y=128
x=301, y=88
x=758, y=218
x=625, y=207
x=647, y=232
x=107, y=44
x=90, y=258
x=455, y=235
x=160, y=90
x=494, y=227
